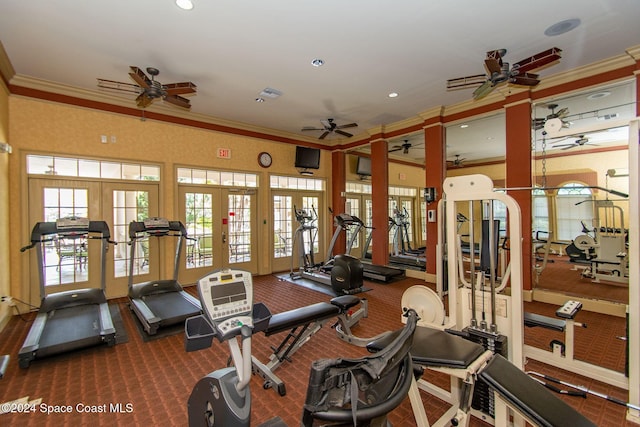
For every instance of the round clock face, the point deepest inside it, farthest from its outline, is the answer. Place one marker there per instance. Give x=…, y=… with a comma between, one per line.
x=264, y=159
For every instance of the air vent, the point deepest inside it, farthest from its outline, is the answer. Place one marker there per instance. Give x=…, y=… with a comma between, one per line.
x=270, y=93
x=608, y=116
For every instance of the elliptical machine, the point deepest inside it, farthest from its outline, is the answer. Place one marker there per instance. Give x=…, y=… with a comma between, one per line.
x=223, y=398
x=343, y=273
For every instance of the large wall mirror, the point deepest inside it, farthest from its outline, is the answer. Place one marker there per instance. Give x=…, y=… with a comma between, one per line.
x=580, y=209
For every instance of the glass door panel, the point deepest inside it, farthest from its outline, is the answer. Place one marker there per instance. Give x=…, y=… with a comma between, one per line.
x=67, y=262
x=123, y=203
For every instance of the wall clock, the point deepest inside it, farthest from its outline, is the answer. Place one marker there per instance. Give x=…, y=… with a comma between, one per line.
x=264, y=159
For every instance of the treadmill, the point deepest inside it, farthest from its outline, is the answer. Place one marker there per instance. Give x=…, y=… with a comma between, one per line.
x=402, y=252
x=371, y=271
x=159, y=303
x=73, y=319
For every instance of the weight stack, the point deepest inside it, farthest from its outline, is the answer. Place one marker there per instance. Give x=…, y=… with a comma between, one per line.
x=483, y=399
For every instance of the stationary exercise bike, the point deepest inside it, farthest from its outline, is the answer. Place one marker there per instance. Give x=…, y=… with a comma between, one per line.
x=223, y=398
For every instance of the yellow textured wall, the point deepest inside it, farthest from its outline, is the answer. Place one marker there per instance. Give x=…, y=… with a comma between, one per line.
x=4, y=206
x=45, y=127
x=400, y=175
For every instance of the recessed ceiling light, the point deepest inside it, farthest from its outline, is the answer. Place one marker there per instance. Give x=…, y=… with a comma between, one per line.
x=562, y=27
x=185, y=4
x=393, y=94
x=598, y=95
x=464, y=126
x=259, y=99
x=317, y=62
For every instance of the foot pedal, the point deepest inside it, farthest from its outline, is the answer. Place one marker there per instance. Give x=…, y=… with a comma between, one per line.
x=569, y=309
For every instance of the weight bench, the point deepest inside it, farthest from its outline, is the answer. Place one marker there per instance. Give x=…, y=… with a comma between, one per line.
x=529, y=398
x=302, y=323
x=532, y=320
x=564, y=322
x=464, y=361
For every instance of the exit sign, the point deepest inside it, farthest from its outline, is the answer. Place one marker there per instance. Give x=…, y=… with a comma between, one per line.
x=224, y=153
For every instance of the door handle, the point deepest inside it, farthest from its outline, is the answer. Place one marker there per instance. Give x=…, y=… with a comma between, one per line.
x=224, y=237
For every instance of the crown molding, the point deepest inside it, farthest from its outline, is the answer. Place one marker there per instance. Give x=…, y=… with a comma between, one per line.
x=6, y=69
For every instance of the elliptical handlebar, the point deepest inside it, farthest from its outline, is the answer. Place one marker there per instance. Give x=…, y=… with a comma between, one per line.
x=304, y=217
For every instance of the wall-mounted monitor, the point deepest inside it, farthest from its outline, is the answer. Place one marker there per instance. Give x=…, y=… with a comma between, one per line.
x=363, y=167
x=307, y=158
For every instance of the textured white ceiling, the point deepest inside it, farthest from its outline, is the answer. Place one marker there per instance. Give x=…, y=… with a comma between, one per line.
x=232, y=50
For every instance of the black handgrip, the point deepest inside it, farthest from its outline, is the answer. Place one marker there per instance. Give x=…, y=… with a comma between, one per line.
x=26, y=248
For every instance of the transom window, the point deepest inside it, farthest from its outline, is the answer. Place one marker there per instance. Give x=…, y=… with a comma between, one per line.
x=89, y=168
x=296, y=183
x=216, y=177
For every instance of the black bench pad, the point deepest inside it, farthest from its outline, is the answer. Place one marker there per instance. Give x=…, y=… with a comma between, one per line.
x=532, y=320
x=530, y=397
x=345, y=302
x=301, y=316
x=433, y=347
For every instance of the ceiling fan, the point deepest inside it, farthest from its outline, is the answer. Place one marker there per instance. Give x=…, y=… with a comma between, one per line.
x=329, y=126
x=582, y=140
x=499, y=72
x=554, y=121
x=149, y=89
x=404, y=147
x=457, y=162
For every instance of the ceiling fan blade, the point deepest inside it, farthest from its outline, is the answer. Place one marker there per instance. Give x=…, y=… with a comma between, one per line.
x=539, y=60
x=538, y=124
x=483, y=90
x=341, y=132
x=143, y=100
x=562, y=113
x=462, y=82
x=324, y=135
x=394, y=149
x=179, y=88
x=178, y=101
x=526, y=79
x=120, y=86
x=307, y=128
x=493, y=65
x=327, y=123
x=349, y=125
x=140, y=77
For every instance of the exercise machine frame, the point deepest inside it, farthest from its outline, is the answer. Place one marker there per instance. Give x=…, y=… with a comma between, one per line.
x=163, y=302
x=73, y=319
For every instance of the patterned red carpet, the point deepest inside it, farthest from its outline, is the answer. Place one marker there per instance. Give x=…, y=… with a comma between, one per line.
x=152, y=380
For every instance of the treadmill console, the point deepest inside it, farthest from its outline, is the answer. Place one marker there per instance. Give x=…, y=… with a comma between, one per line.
x=227, y=301
x=156, y=223
x=72, y=223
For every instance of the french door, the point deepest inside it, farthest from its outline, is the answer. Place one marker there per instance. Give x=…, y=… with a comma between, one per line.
x=122, y=203
x=74, y=263
x=221, y=225
x=286, y=242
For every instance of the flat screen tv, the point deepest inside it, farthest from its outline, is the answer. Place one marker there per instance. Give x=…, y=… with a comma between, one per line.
x=307, y=158
x=363, y=167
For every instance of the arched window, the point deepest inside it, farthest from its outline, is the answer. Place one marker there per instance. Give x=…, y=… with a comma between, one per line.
x=573, y=206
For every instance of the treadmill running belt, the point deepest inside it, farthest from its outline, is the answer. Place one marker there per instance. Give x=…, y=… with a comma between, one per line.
x=70, y=328
x=171, y=307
